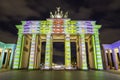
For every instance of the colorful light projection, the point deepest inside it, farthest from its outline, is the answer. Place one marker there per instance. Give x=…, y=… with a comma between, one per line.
x=18, y=47
x=67, y=52
x=97, y=50
x=83, y=51
x=7, y=59
x=32, y=51
x=114, y=50
x=58, y=26
x=63, y=26
x=48, y=53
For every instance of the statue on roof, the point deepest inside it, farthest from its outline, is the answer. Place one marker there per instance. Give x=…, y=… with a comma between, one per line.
x=66, y=15
x=51, y=15
x=58, y=14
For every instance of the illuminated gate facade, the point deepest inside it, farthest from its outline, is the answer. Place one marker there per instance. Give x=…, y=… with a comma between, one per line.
x=58, y=28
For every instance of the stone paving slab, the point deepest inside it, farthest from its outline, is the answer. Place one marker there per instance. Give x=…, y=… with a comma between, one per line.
x=57, y=75
x=114, y=71
x=4, y=70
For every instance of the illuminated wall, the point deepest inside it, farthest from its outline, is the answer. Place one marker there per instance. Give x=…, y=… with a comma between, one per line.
x=58, y=24
x=113, y=49
x=9, y=50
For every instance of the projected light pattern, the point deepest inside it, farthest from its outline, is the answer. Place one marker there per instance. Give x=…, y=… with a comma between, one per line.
x=97, y=46
x=48, y=52
x=9, y=50
x=32, y=51
x=83, y=51
x=113, y=49
x=58, y=24
x=67, y=52
x=16, y=62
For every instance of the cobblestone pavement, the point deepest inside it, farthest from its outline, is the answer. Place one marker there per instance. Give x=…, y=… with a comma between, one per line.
x=57, y=75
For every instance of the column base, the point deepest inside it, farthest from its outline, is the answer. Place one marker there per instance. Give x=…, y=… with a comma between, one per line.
x=47, y=68
x=68, y=68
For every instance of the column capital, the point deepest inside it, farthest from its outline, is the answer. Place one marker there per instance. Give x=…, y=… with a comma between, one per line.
x=20, y=34
x=19, y=26
x=96, y=31
x=23, y=22
x=67, y=35
x=82, y=34
x=97, y=26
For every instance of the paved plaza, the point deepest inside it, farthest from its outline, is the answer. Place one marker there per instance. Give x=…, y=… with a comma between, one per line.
x=57, y=75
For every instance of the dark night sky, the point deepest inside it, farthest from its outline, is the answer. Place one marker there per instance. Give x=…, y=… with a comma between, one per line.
x=105, y=12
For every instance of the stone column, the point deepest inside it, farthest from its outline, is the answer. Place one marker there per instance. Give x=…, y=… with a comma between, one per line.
x=37, y=52
x=51, y=48
x=119, y=49
x=77, y=52
x=32, y=52
x=97, y=51
x=106, y=58
x=2, y=55
x=115, y=59
x=119, y=56
x=109, y=58
x=94, y=50
x=7, y=61
x=38, y=55
x=11, y=55
x=48, y=57
x=19, y=48
x=67, y=52
x=82, y=52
